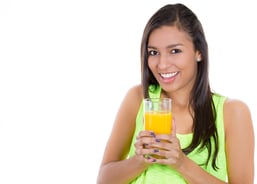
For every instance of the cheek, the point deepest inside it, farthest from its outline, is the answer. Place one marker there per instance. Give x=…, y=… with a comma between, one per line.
x=152, y=64
x=187, y=63
x=191, y=70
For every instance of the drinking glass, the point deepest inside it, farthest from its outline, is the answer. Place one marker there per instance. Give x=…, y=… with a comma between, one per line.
x=158, y=115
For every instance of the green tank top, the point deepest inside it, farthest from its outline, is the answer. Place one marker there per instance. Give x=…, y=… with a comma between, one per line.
x=162, y=174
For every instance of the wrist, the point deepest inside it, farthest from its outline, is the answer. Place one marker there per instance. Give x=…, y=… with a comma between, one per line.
x=183, y=166
x=139, y=162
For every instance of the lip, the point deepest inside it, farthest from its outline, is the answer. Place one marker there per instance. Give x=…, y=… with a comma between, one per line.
x=168, y=77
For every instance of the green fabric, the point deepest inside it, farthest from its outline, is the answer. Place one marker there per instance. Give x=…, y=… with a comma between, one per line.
x=157, y=173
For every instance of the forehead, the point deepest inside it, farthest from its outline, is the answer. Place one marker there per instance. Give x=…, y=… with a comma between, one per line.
x=167, y=35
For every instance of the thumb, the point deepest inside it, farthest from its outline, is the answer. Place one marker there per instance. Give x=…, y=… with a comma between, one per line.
x=173, y=127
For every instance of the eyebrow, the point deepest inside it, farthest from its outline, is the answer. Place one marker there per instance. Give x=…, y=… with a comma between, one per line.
x=169, y=46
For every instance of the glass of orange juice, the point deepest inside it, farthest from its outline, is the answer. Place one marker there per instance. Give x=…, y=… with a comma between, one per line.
x=157, y=115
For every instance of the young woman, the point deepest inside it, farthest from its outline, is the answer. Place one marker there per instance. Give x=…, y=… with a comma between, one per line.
x=212, y=139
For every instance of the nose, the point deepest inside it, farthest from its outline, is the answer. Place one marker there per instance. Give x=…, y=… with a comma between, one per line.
x=164, y=62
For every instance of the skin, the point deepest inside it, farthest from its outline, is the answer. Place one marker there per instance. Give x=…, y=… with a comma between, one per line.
x=171, y=50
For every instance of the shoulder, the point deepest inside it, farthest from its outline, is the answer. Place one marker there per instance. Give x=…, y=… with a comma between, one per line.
x=133, y=99
x=235, y=106
x=135, y=94
x=136, y=91
x=239, y=140
x=236, y=114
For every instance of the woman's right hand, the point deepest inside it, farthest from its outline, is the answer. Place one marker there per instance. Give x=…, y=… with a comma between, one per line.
x=143, y=150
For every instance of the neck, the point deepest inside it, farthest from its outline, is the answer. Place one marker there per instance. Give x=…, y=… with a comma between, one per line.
x=180, y=101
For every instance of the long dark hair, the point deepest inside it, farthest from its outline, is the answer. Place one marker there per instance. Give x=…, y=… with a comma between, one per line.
x=204, y=114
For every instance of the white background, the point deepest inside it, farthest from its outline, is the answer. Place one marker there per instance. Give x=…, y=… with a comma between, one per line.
x=66, y=65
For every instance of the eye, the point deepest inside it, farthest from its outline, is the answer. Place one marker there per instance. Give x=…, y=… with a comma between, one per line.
x=175, y=51
x=152, y=53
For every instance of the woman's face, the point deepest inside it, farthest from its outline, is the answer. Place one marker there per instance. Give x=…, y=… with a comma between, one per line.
x=172, y=59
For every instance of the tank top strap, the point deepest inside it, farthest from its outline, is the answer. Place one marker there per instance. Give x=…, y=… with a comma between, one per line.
x=154, y=91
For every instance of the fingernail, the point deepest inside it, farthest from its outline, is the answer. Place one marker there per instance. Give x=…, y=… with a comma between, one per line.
x=155, y=150
x=152, y=134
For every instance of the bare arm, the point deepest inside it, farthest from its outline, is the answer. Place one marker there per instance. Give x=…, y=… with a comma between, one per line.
x=239, y=142
x=120, y=172
x=115, y=168
x=239, y=149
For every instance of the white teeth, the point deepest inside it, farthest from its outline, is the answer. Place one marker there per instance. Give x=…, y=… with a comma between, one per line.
x=168, y=75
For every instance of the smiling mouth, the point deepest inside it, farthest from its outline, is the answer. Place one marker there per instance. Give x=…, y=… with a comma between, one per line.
x=168, y=75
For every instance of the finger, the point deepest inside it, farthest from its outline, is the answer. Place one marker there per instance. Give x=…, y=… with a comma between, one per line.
x=145, y=133
x=145, y=142
x=145, y=151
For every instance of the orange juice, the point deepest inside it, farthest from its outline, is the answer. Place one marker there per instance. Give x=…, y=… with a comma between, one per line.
x=159, y=122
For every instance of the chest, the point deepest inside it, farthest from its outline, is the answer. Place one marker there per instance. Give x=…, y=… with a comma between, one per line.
x=183, y=122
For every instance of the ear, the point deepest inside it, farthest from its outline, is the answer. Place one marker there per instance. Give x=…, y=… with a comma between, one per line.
x=198, y=56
